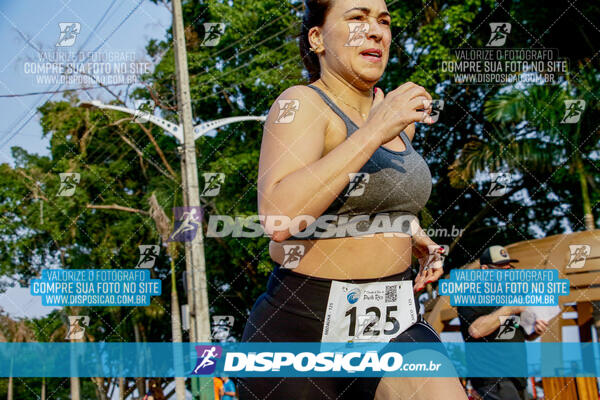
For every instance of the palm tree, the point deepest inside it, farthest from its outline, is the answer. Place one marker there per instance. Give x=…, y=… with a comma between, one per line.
x=162, y=225
x=14, y=331
x=532, y=139
x=40, y=336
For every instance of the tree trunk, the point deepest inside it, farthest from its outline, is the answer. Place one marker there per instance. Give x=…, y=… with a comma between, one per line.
x=100, y=390
x=10, y=388
x=139, y=382
x=588, y=216
x=176, y=329
x=75, y=395
x=121, y=388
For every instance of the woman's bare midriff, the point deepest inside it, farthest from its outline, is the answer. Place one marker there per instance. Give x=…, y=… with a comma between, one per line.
x=351, y=257
x=364, y=257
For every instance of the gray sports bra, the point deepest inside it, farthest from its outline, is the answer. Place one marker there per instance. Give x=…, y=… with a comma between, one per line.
x=385, y=195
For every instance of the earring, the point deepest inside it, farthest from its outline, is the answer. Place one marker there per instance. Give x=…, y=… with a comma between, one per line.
x=317, y=50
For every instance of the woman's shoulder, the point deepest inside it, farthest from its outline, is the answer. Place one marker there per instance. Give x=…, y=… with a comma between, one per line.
x=298, y=92
x=298, y=101
x=298, y=89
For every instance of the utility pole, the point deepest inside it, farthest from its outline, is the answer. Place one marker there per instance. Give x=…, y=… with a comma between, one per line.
x=199, y=286
x=188, y=276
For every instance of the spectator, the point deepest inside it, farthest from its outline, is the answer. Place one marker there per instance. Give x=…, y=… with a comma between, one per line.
x=228, y=389
x=155, y=391
x=218, y=384
x=496, y=324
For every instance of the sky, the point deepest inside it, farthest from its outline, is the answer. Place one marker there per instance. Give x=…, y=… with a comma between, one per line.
x=31, y=32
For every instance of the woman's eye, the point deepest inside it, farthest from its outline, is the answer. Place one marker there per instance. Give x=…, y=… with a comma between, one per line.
x=385, y=22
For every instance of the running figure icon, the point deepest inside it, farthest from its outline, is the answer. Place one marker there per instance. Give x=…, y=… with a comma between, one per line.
x=574, y=109
x=187, y=221
x=293, y=254
x=500, y=31
x=207, y=356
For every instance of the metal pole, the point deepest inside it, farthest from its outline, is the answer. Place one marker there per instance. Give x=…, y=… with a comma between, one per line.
x=193, y=192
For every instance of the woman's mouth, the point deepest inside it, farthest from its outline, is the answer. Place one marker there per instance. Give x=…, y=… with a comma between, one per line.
x=372, y=55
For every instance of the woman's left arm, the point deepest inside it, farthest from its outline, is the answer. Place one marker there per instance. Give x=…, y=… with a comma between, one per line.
x=430, y=256
x=426, y=250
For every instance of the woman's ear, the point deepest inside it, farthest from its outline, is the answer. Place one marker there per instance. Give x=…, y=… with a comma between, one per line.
x=314, y=37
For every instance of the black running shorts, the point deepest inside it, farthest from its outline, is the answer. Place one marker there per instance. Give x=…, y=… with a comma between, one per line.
x=292, y=310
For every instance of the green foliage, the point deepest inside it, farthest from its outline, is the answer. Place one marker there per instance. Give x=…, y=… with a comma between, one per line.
x=256, y=59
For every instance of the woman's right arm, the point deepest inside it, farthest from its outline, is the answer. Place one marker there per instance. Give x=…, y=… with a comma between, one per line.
x=293, y=177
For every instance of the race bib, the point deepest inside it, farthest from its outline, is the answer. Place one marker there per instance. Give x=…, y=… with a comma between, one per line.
x=368, y=312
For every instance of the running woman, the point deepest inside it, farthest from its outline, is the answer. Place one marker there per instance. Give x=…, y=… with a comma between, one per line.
x=317, y=140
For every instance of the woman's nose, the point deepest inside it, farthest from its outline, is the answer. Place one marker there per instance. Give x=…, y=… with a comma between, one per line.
x=375, y=31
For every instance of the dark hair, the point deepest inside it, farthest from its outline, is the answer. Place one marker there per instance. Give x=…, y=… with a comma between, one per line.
x=156, y=389
x=314, y=15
